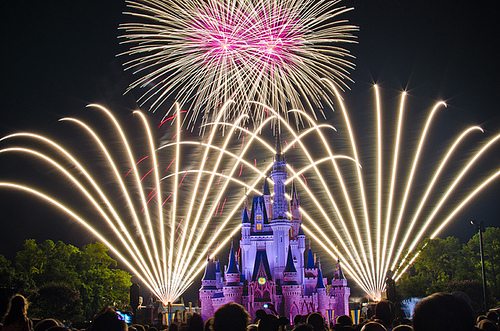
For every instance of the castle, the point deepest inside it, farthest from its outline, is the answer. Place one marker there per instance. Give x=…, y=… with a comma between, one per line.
x=273, y=269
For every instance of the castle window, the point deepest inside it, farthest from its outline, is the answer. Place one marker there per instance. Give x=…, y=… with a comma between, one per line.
x=259, y=227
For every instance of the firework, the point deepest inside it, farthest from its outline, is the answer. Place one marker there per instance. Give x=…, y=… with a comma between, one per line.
x=145, y=234
x=183, y=198
x=205, y=53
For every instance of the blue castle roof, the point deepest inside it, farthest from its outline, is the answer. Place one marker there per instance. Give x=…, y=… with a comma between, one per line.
x=244, y=215
x=232, y=268
x=261, y=259
x=310, y=259
x=320, y=283
x=209, y=271
x=290, y=266
x=258, y=201
x=265, y=187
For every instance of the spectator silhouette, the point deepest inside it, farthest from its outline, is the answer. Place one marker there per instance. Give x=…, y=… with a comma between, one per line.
x=403, y=327
x=487, y=325
x=297, y=320
x=231, y=317
x=383, y=312
x=443, y=311
x=46, y=324
x=208, y=324
x=303, y=327
x=492, y=316
x=16, y=317
x=107, y=320
x=268, y=323
x=373, y=326
x=259, y=314
x=316, y=321
x=194, y=323
x=344, y=320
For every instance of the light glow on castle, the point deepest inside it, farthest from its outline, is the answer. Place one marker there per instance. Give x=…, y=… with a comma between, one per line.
x=273, y=269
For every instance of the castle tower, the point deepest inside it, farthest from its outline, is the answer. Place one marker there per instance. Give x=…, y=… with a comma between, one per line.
x=340, y=291
x=245, y=242
x=279, y=176
x=301, y=246
x=323, y=301
x=233, y=289
x=208, y=290
x=267, y=199
x=218, y=275
x=280, y=223
x=295, y=211
x=310, y=273
x=292, y=291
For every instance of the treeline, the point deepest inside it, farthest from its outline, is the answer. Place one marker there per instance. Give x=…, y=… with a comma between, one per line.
x=63, y=281
x=448, y=265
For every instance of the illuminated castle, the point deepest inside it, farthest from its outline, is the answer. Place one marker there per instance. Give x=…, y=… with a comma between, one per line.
x=273, y=268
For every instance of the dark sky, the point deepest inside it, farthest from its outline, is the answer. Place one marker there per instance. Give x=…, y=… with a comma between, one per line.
x=58, y=56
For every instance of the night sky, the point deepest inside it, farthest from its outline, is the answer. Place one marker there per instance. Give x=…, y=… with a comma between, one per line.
x=58, y=56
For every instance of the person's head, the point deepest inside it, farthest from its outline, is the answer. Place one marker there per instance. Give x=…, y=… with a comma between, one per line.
x=442, y=311
x=252, y=327
x=344, y=320
x=303, y=327
x=316, y=321
x=140, y=327
x=194, y=323
x=403, y=327
x=373, y=326
x=268, y=323
x=173, y=327
x=383, y=312
x=283, y=321
x=487, y=325
x=208, y=324
x=231, y=317
x=107, y=320
x=492, y=316
x=260, y=314
x=17, y=310
x=46, y=324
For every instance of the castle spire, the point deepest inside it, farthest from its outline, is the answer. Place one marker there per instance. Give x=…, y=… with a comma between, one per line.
x=320, y=283
x=232, y=268
x=265, y=187
x=209, y=270
x=310, y=259
x=290, y=266
x=293, y=192
x=244, y=215
x=279, y=155
x=339, y=274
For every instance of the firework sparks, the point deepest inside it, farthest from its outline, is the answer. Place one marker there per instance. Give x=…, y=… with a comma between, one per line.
x=207, y=52
x=175, y=219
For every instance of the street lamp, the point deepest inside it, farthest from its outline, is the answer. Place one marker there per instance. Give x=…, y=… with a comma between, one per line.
x=480, y=229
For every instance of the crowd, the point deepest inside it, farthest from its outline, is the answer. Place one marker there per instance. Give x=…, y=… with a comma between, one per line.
x=437, y=312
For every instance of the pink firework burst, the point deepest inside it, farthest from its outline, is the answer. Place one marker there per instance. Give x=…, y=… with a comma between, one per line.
x=204, y=53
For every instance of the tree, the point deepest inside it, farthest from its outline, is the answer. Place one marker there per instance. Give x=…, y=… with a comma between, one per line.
x=491, y=241
x=84, y=280
x=102, y=284
x=6, y=272
x=448, y=266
